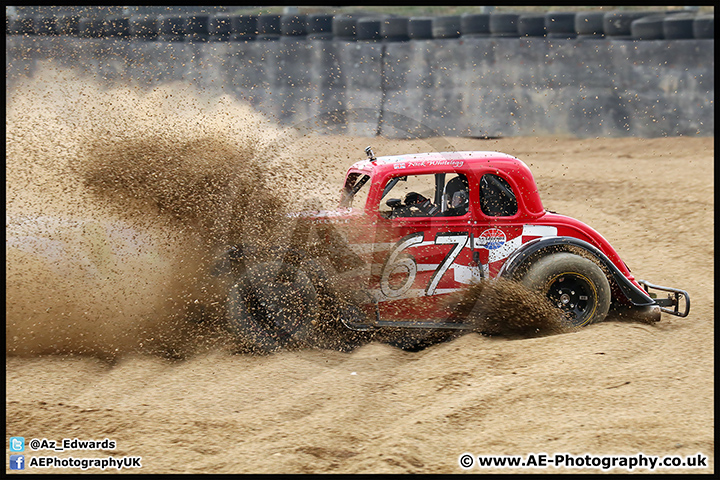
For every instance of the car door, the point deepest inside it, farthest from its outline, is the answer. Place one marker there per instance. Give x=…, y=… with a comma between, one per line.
x=422, y=253
x=500, y=229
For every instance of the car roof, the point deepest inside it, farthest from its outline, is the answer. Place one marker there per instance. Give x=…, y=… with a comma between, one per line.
x=438, y=161
x=468, y=161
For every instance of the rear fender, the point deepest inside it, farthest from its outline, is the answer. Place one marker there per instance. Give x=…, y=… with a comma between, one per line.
x=540, y=246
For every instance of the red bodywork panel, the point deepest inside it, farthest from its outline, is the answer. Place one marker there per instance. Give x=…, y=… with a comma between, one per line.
x=413, y=263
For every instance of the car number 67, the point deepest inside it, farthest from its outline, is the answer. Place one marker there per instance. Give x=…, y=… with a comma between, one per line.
x=404, y=264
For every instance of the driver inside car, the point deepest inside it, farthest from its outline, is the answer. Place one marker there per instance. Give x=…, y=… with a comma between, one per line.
x=421, y=203
x=457, y=196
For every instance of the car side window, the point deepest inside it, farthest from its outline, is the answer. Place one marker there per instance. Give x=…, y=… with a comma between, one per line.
x=456, y=197
x=409, y=196
x=497, y=198
x=430, y=195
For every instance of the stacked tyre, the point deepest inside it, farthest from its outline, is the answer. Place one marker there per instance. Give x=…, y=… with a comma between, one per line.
x=447, y=26
x=394, y=29
x=531, y=26
x=143, y=27
x=117, y=27
x=268, y=27
x=589, y=24
x=475, y=24
x=319, y=26
x=368, y=29
x=243, y=27
x=220, y=28
x=45, y=26
x=171, y=28
x=293, y=25
x=560, y=24
x=420, y=28
x=704, y=26
x=197, y=28
x=504, y=24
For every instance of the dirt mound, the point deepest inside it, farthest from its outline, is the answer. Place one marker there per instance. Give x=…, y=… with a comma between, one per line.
x=504, y=307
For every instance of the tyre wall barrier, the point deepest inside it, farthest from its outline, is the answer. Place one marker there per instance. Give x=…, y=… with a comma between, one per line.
x=203, y=27
x=478, y=76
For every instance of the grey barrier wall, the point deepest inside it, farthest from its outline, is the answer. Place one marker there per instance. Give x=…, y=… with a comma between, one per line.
x=483, y=86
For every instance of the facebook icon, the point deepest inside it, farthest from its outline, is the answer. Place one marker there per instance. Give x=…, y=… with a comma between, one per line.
x=17, y=462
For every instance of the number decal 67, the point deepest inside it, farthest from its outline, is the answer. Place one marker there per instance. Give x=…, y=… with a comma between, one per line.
x=402, y=263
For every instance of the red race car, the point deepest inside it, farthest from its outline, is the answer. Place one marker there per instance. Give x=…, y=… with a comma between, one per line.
x=413, y=229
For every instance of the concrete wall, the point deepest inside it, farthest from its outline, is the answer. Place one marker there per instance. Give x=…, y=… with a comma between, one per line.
x=477, y=86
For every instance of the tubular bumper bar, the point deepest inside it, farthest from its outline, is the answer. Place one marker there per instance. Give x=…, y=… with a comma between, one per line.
x=671, y=304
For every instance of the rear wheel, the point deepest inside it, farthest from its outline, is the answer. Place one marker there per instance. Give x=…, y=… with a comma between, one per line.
x=292, y=303
x=271, y=306
x=574, y=284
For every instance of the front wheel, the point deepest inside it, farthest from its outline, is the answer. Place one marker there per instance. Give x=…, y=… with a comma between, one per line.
x=574, y=284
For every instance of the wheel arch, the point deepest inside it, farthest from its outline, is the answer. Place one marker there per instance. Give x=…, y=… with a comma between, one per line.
x=624, y=291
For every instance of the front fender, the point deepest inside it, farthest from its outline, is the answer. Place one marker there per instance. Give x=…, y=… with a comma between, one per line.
x=633, y=294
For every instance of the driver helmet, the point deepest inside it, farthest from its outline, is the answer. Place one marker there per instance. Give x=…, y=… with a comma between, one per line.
x=459, y=199
x=456, y=192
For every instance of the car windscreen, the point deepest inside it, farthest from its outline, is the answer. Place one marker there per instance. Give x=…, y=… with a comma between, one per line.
x=354, y=188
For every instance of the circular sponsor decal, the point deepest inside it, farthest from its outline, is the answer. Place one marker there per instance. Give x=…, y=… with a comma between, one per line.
x=492, y=238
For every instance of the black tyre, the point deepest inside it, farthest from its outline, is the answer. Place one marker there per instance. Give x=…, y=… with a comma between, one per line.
x=394, y=29
x=21, y=26
x=243, y=27
x=531, y=26
x=504, y=24
x=368, y=29
x=344, y=27
x=415, y=340
x=293, y=25
x=45, y=26
x=117, y=27
x=68, y=25
x=678, y=26
x=477, y=24
x=220, y=28
x=26, y=26
x=171, y=28
x=704, y=26
x=197, y=28
x=91, y=28
x=420, y=28
x=447, y=26
x=341, y=317
x=560, y=24
x=272, y=306
x=648, y=28
x=143, y=27
x=617, y=24
x=268, y=27
x=575, y=284
x=319, y=23
x=589, y=23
